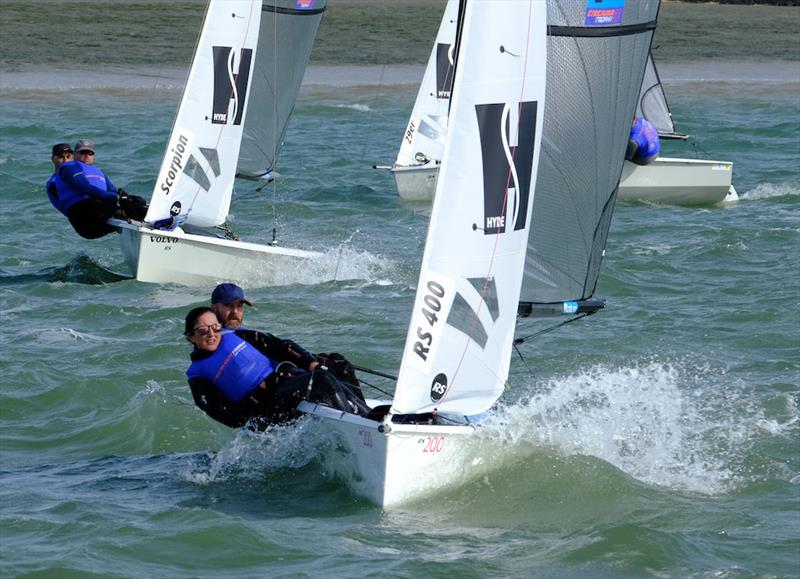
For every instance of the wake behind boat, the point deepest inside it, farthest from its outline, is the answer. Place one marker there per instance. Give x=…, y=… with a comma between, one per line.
x=241, y=89
x=525, y=109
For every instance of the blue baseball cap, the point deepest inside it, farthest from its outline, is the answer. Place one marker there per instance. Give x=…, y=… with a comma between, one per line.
x=226, y=293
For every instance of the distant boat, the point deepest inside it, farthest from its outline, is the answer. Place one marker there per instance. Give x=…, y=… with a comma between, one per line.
x=518, y=226
x=672, y=180
x=667, y=180
x=417, y=165
x=242, y=86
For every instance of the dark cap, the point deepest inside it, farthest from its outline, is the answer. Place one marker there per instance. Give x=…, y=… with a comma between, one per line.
x=60, y=149
x=84, y=145
x=226, y=293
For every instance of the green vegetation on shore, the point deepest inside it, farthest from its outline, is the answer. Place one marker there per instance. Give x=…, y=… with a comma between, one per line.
x=163, y=32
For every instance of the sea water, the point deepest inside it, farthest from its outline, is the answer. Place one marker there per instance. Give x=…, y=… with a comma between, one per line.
x=659, y=437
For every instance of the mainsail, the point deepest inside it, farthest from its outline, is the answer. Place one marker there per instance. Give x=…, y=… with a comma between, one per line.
x=423, y=140
x=288, y=29
x=596, y=54
x=241, y=89
x=196, y=177
x=653, y=103
x=459, y=343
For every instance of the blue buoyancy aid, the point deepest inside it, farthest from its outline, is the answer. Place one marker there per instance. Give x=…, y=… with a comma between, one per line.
x=646, y=137
x=235, y=367
x=61, y=194
x=95, y=176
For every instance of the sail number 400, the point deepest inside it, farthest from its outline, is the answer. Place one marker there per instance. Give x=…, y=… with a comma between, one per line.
x=432, y=306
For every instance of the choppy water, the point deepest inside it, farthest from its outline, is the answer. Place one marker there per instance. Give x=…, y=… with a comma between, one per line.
x=657, y=438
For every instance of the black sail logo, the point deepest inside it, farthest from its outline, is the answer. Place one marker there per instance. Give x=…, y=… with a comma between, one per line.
x=444, y=70
x=508, y=134
x=230, y=87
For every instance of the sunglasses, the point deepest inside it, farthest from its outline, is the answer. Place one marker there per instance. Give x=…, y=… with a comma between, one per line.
x=86, y=153
x=204, y=330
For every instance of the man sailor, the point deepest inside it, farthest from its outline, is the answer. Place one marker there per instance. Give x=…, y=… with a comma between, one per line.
x=228, y=301
x=133, y=206
x=86, y=206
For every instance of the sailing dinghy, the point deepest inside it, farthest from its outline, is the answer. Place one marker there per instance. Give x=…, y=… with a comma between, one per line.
x=496, y=244
x=242, y=86
x=668, y=179
x=417, y=165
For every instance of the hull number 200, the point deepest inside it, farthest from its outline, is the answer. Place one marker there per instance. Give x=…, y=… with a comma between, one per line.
x=433, y=444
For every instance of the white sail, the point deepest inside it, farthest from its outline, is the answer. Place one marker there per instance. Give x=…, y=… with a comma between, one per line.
x=197, y=174
x=427, y=127
x=287, y=32
x=653, y=102
x=459, y=343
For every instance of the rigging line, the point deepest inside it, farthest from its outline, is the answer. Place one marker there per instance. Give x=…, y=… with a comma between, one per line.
x=521, y=357
x=274, y=127
x=370, y=385
x=372, y=111
x=374, y=372
x=548, y=330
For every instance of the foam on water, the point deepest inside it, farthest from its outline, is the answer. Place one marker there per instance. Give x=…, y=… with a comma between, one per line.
x=769, y=190
x=668, y=424
x=250, y=454
x=342, y=262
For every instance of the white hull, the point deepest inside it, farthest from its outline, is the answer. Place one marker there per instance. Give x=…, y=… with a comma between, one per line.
x=678, y=182
x=177, y=257
x=667, y=180
x=397, y=463
x=416, y=183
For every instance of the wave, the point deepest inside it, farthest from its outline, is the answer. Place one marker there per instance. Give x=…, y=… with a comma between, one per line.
x=667, y=424
x=771, y=190
x=80, y=269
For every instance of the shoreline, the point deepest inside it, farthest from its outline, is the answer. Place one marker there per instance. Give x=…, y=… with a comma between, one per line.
x=45, y=80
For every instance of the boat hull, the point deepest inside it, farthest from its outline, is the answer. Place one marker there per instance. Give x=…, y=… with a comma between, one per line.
x=157, y=256
x=678, y=182
x=393, y=464
x=416, y=183
x=667, y=180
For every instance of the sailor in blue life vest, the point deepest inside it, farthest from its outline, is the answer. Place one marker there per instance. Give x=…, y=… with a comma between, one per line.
x=254, y=379
x=132, y=206
x=228, y=301
x=644, y=144
x=87, y=206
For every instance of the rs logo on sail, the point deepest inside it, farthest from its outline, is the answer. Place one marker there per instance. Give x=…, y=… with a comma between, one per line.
x=507, y=141
x=230, y=88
